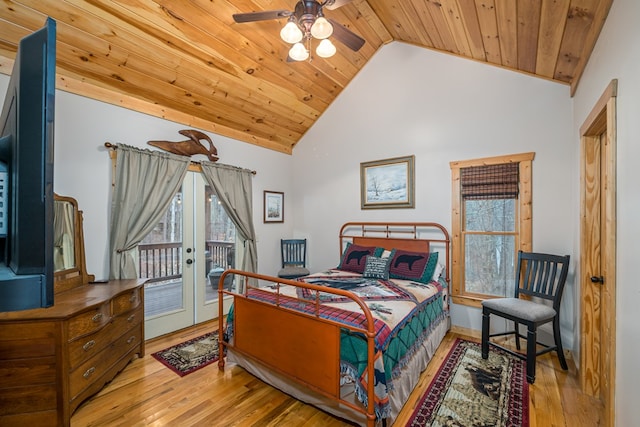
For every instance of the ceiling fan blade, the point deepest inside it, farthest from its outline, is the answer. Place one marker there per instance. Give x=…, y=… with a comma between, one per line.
x=336, y=4
x=260, y=16
x=346, y=36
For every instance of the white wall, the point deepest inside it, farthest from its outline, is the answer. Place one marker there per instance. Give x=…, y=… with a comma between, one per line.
x=82, y=169
x=439, y=108
x=617, y=56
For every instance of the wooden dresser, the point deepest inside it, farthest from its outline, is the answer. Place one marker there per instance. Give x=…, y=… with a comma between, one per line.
x=52, y=359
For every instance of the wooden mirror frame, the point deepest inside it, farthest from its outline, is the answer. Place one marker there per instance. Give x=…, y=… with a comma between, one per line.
x=70, y=278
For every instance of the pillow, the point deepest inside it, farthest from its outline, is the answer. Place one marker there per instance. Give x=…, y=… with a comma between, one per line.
x=376, y=268
x=354, y=257
x=437, y=272
x=418, y=266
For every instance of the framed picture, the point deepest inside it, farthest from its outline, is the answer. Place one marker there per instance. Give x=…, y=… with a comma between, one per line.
x=273, y=206
x=387, y=183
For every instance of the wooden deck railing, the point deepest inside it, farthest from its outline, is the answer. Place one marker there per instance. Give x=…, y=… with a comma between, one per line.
x=163, y=261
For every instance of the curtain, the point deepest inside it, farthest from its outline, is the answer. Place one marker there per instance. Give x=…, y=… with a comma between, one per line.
x=498, y=181
x=145, y=184
x=233, y=188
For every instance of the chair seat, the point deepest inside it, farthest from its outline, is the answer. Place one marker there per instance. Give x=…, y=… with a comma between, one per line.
x=520, y=308
x=293, y=272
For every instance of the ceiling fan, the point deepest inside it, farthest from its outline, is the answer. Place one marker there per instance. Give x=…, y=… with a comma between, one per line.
x=307, y=22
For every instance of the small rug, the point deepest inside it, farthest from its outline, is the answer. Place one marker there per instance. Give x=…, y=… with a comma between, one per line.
x=190, y=355
x=468, y=391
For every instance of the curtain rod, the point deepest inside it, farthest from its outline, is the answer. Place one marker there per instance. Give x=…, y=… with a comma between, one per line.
x=115, y=147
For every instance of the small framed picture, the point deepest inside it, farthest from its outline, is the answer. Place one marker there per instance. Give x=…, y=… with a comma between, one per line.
x=273, y=206
x=387, y=183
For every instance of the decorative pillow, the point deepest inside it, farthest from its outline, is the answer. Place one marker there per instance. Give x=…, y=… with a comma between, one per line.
x=418, y=266
x=354, y=257
x=437, y=272
x=376, y=268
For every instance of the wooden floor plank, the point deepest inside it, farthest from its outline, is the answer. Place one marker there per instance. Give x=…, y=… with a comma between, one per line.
x=148, y=394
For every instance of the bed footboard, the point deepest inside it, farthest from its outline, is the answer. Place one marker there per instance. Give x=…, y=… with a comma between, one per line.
x=301, y=345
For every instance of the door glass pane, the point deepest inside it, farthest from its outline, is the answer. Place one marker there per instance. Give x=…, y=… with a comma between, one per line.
x=489, y=264
x=220, y=244
x=160, y=258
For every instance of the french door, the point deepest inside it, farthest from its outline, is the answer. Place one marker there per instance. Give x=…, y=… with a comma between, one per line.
x=184, y=257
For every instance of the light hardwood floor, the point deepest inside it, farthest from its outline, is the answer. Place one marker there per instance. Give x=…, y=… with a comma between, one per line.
x=146, y=393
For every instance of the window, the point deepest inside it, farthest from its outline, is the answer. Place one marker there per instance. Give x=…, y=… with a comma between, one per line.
x=491, y=221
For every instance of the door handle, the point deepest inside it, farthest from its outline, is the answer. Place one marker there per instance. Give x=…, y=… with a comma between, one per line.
x=597, y=279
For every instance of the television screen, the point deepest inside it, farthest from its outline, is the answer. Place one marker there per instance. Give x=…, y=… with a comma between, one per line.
x=26, y=175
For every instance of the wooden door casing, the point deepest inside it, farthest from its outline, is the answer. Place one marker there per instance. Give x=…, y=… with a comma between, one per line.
x=598, y=252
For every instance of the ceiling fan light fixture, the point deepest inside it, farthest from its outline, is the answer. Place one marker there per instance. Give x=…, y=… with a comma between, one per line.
x=290, y=33
x=321, y=28
x=326, y=49
x=298, y=52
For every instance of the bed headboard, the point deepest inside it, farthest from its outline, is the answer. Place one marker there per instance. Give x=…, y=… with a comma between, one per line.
x=410, y=236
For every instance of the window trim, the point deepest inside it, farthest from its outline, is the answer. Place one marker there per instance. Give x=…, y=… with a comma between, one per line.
x=525, y=222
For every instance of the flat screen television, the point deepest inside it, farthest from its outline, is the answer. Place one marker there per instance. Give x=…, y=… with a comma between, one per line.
x=26, y=175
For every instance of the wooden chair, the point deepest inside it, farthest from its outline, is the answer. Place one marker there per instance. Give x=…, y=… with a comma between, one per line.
x=540, y=277
x=294, y=258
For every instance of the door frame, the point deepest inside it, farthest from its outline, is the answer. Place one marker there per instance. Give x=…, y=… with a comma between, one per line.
x=598, y=305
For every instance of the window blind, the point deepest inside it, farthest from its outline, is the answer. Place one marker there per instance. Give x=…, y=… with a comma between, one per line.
x=490, y=181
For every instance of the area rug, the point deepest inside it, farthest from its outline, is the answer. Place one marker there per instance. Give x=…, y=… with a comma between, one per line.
x=468, y=391
x=191, y=355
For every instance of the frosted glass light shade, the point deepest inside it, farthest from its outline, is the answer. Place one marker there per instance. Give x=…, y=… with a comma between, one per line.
x=298, y=52
x=326, y=49
x=291, y=33
x=321, y=29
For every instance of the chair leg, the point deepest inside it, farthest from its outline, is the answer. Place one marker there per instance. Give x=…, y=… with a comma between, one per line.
x=516, y=327
x=485, y=334
x=558, y=340
x=531, y=354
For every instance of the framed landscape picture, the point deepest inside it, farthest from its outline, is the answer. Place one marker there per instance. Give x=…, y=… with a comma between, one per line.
x=387, y=183
x=273, y=206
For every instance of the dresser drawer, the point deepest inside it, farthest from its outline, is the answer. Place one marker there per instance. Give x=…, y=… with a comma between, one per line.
x=88, y=321
x=126, y=302
x=93, y=369
x=85, y=347
x=128, y=320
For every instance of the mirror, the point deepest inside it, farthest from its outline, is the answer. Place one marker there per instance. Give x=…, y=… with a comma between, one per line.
x=63, y=235
x=68, y=245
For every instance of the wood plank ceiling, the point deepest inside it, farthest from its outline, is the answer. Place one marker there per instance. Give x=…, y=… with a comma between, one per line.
x=188, y=61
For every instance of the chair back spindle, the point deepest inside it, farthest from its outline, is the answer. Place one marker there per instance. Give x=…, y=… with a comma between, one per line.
x=542, y=276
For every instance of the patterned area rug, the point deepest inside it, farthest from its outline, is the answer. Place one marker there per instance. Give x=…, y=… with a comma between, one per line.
x=191, y=355
x=471, y=392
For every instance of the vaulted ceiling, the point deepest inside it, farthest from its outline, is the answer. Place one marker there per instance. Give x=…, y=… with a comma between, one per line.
x=190, y=62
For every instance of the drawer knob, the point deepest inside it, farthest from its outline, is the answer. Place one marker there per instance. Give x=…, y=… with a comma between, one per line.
x=133, y=297
x=97, y=317
x=131, y=318
x=88, y=345
x=131, y=339
x=89, y=372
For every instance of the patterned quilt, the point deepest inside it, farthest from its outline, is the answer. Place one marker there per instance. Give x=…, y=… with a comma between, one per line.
x=404, y=312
